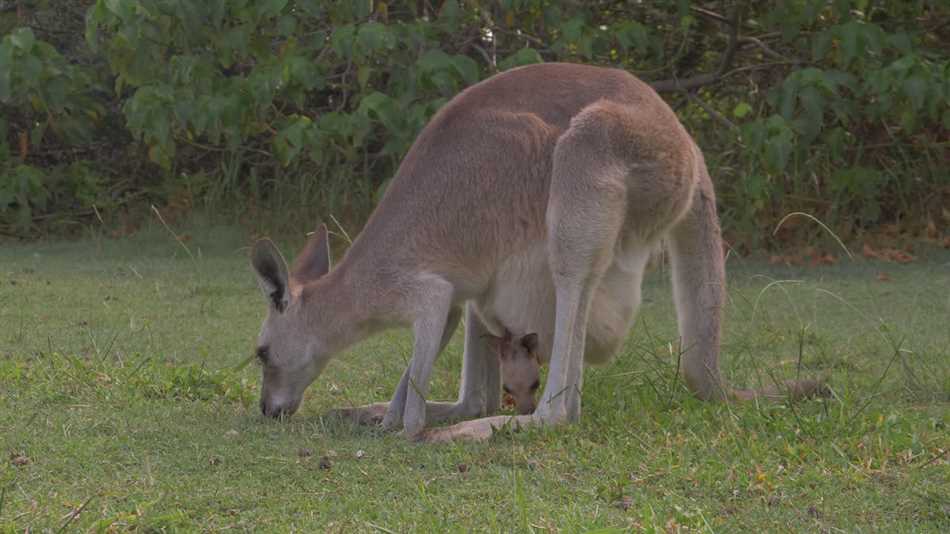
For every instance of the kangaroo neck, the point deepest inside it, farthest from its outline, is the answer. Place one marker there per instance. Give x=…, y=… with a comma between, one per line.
x=349, y=304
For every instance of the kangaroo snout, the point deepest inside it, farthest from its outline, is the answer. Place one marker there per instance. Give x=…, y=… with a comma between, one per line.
x=278, y=409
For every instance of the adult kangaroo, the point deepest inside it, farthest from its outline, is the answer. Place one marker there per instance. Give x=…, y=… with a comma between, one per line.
x=533, y=199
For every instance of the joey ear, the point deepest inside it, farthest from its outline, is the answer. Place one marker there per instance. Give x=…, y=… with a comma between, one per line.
x=314, y=260
x=271, y=270
x=530, y=342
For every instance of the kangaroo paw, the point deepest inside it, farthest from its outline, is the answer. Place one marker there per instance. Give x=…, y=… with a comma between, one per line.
x=477, y=429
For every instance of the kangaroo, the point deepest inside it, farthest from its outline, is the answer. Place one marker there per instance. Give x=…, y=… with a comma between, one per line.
x=532, y=199
x=520, y=366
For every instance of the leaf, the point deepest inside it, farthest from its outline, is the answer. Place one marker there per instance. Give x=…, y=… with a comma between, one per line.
x=901, y=41
x=6, y=68
x=572, y=30
x=270, y=8
x=632, y=34
x=525, y=56
x=342, y=40
x=466, y=68
x=287, y=25
x=22, y=38
x=434, y=60
x=812, y=110
x=117, y=7
x=915, y=88
x=821, y=44
x=374, y=37
x=383, y=107
x=158, y=155
x=290, y=140
x=36, y=135
x=787, y=95
x=741, y=110
x=31, y=67
x=848, y=35
x=779, y=145
x=363, y=74
x=450, y=11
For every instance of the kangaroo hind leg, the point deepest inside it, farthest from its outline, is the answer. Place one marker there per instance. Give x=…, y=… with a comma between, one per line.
x=586, y=211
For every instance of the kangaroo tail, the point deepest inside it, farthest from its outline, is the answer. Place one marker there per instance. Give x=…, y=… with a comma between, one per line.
x=788, y=390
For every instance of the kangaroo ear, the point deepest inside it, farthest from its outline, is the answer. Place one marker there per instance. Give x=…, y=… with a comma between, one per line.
x=271, y=270
x=530, y=342
x=314, y=260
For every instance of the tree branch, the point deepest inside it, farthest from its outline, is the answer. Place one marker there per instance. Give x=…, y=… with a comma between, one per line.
x=768, y=51
x=687, y=84
x=712, y=112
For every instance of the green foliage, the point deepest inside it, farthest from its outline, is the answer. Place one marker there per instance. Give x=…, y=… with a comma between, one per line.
x=304, y=103
x=46, y=98
x=866, y=107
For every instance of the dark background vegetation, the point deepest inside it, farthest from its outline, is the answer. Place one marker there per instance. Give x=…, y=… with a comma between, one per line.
x=292, y=111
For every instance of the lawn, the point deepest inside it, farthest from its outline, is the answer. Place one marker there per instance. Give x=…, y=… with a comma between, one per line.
x=124, y=407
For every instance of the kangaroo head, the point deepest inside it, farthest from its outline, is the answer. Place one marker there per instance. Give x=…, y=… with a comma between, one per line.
x=520, y=369
x=293, y=346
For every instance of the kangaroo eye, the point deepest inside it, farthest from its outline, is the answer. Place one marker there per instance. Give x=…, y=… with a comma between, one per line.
x=536, y=385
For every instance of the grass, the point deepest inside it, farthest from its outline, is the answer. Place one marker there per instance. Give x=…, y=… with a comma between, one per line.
x=123, y=409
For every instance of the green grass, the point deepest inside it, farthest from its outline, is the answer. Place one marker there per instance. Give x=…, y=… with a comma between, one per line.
x=119, y=396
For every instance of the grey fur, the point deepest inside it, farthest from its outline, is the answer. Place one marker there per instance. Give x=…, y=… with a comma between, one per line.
x=533, y=199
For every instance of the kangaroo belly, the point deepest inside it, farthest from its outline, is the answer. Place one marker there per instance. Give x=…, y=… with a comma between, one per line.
x=614, y=306
x=521, y=299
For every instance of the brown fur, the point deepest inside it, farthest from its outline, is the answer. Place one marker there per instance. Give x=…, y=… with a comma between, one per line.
x=520, y=369
x=532, y=199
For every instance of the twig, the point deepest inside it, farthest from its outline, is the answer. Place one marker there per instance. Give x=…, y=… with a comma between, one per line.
x=676, y=373
x=765, y=48
x=342, y=230
x=74, y=514
x=712, y=112
x=172, y=232
x=379, y=528
x=934, y=459
x=761, y=66
x=706, y=79
x=711, y=14
x=880, y=380
x=812, y=217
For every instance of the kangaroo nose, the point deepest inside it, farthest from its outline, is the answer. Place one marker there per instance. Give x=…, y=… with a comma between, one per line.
x=526, y=408
x=277, y=410
x=271, y=410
